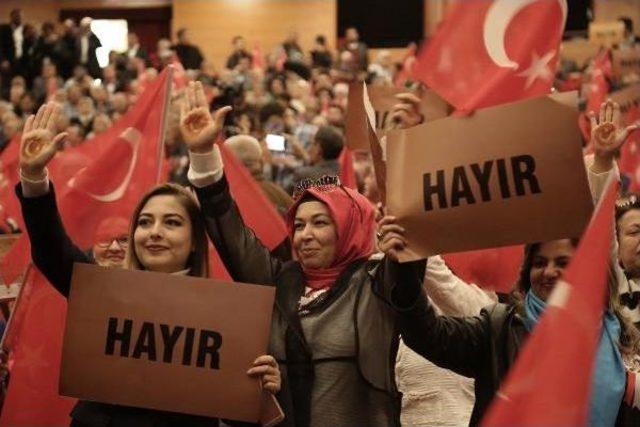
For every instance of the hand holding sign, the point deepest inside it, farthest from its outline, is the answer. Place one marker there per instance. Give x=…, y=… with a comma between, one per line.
x=267, y=369
x=38, y=144
x=198, y=128
x=608, y=134
x=391, y=239
x=406, y=113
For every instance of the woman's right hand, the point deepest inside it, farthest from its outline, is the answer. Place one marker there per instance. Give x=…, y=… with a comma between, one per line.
x=39, y=144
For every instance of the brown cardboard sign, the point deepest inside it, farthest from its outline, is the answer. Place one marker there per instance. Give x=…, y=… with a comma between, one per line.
x=167, y=342
x=382, y=99
x=506, y=175
x=606, y=34
x=627, y=97
x=625, y=62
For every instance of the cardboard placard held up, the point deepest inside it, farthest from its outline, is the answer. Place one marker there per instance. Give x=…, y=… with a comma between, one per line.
x=606, y=34
x=382, y=99
x=168, y=342
x=506, y=175
x=625, y=62
x=627, y=97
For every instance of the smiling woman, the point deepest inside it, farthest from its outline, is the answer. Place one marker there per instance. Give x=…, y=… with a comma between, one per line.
x=167, y=235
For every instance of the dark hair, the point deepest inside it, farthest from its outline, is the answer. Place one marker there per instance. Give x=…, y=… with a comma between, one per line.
x=530, y=251
x=625, y=204
x=181, y=32
x=320, y=39
x=236, y=38
x=628, y=23
x=330, y=141
x=198, y=261
x=270, y=109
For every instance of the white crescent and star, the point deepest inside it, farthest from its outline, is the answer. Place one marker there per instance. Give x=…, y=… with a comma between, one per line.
x=133, y=137
x=497, y=20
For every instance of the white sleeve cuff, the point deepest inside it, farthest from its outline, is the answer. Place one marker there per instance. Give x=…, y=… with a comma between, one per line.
x=35, y=188
x=205, y=168
x=598, y=181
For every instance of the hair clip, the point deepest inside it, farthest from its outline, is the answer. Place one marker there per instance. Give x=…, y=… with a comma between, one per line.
x=325, y=183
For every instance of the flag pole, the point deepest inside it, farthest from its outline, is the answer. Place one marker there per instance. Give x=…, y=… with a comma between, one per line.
x=164, y=122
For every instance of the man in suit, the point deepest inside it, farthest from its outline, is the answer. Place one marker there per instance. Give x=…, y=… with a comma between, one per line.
x=323, y=155
x=11, y=47
x=135, y=50
x=189, y=54
x=86, y=46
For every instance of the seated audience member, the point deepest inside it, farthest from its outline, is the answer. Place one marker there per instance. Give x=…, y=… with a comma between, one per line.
x=248, y=150
x=323, y=154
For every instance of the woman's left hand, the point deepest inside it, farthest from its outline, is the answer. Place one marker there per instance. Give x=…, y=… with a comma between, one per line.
x=267, y=369
x=391, y=239
x=608, y=134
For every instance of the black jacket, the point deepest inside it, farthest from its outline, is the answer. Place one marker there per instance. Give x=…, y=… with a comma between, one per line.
x=54, y=254
x=374, y=319
x=483, y=347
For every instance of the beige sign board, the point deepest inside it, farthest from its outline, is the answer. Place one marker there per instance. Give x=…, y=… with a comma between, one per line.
x=382, y=99
x=505, y=175
x=625, y=62
x=627, y=97
x=168, y=342
x=606, y=34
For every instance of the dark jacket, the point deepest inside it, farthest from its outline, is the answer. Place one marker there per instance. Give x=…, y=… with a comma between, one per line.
x=373, y=317
x=54, y=254
x=190, y=56
x=7, y=45
x=483, y=347
x=92, y=60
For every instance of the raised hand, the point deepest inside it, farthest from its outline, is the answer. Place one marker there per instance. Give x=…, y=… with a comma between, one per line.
x=406, y=113
x=608, y=133
x=200, y=130
x=39, y=143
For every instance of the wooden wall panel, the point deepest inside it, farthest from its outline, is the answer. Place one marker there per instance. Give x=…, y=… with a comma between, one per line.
x=33, y=11
x=213, y=24
x=610, y=10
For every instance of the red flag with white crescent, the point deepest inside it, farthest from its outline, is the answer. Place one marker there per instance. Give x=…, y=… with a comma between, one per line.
x=123, y=164
x=493, y=52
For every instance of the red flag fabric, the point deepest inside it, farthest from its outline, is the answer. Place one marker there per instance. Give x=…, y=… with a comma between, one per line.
x=493, y=52
x=124, y=165
x=32, y=398
x=601, y=72
x=496, y=269
x=257, y=211
x=542, y=388
x=347, y=173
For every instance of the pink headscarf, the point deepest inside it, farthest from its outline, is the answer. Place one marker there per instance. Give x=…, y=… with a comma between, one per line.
x=354, y=217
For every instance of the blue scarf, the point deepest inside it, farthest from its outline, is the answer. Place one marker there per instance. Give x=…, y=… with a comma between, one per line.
x=609, y=379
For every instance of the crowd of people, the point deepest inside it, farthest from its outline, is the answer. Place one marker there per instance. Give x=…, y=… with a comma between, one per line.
x=328, y=363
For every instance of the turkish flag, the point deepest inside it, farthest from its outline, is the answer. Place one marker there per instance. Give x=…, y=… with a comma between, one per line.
x=492, y=52
x=35, y=344
x=124, y=164
x=255, y=208
x=542, y=388
x=496, y=269
x=347, y=173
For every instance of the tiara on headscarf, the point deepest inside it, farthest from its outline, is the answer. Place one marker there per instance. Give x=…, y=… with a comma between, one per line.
x=325, y=183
